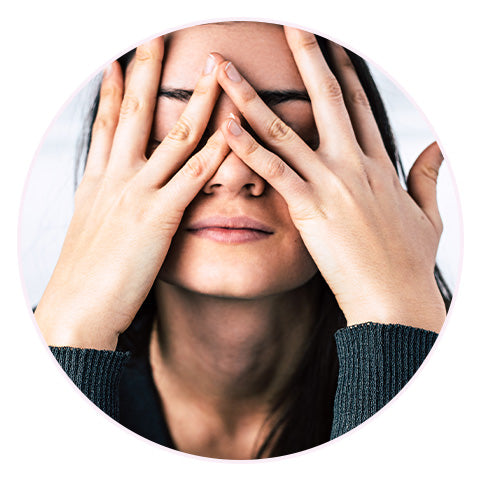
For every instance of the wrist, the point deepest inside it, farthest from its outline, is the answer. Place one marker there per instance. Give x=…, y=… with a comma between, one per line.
x=421, y=308
x=61, y=331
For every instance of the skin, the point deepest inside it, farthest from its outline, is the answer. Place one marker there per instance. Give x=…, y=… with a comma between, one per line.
x=214, y=268
x=224, y=342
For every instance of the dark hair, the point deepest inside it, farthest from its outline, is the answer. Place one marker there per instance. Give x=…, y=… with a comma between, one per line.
x=312, y=388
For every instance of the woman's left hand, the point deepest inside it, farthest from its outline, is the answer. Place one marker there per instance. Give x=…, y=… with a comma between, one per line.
x=374, y=243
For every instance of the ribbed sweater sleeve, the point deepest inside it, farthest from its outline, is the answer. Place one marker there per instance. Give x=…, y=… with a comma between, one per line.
x=96, y=373
x=375, y=363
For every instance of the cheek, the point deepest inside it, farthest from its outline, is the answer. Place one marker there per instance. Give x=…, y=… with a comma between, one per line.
x=299, y=116
x=166, y=115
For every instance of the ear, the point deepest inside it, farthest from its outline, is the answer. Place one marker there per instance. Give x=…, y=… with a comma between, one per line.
x=422, y=183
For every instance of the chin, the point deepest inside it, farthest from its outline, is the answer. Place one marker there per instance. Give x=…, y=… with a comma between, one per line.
x=245, y=271
x=242, y=282
x=223, y=289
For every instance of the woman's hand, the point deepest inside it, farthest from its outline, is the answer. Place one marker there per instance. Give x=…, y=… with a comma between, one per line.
x=127, y=209
x=374, y=243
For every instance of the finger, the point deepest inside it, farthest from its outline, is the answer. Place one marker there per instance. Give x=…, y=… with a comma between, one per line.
x=111, y=93
x=182, y=139
x=265, y=163
x=138, y=106
x=358, y=107
x=276, y=134
x=422, y=183
x=331, y=116
x=189, y=180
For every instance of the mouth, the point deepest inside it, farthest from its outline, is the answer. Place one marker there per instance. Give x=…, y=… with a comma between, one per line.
x=231, y=229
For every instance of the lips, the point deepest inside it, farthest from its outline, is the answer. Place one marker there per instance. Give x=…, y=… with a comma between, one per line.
x=230, y=229
x=237, y=223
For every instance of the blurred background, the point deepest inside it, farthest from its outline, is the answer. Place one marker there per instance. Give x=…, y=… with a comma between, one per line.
x=49, y=189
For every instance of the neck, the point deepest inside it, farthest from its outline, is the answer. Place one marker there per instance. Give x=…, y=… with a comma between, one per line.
x=226, y=359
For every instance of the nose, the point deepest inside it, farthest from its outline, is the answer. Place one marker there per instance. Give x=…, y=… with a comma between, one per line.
x=233, y=176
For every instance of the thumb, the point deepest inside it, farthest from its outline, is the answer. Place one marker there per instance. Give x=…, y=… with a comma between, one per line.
x=422, y=183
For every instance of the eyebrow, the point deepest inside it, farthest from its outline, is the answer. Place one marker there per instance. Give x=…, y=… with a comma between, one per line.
x=270, y=97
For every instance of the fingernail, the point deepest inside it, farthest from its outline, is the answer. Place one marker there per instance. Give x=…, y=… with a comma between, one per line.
x=234, y=128
x=232, y=72
x=209, y=65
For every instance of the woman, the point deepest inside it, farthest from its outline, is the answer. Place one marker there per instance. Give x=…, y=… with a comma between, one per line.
x=268, y=216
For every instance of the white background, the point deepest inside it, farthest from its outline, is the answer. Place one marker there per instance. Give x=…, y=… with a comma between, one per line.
x=430, y=429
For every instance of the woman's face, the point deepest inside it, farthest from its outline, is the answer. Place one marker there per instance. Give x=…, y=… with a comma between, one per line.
x=241, y=263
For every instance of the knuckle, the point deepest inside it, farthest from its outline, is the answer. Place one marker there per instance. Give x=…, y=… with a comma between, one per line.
x=332, y=90
x=213, y=144
x=430, y=172
x=109, y=91
x=345, y=60
x=274, y=167
x=201, y=89
x=195, y=167
x=358, y=97
x=103, y=123
x=144, y=54
x=423, y=170
x=181, y=131
x=131, y=105
x=278, y=130
x=308, y=42
x=251, y=148
x=249, y=95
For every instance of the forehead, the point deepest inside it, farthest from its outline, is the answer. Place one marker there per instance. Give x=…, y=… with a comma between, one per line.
x=259, y=50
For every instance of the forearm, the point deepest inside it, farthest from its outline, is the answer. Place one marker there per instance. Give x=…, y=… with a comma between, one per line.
x=96, y=373
x=375, y=363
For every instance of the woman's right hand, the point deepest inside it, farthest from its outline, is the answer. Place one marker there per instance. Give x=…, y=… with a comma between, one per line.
x=127, y=209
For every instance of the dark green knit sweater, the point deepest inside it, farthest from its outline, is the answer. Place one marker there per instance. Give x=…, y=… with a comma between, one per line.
x=375, y=362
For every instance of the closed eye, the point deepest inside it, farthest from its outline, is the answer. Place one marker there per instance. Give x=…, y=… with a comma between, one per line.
x=269, y=97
